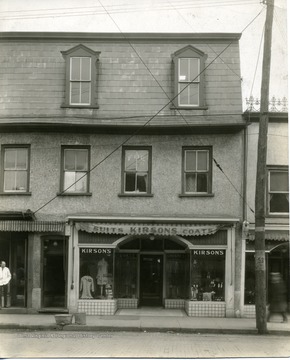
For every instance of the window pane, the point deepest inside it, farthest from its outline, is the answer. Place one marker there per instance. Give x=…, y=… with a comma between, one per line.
x=183, y=70
x=190, y=160
x=131, y=160
x=279, y=181
x=194, y=69
x=126, y=276
x=85, y=88
x=142, y=182
x=279, y=203
x=69, y=179
x=69, y=160
x=10, y=159
x=193, y=90
x=130, y=182
x=142, y=160
x=86, y=69
x=21, y=180
x=202, y=160
x=21, y=159
x=201, y=182
x=190, y=182
x=75, y=69
x=9, y=180
x=75, y=92
x=81, y=160
x=81, y=185
x=183, y=94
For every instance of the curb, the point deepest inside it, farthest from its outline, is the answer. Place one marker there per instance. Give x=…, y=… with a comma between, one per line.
x=89, y=328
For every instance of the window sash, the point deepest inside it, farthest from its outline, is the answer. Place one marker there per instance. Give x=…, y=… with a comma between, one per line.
x=196, y=175
x=188, y=81
x=80, y=80
x=136, y=171
x=278, y=200
x=75, y=169
x=15, y=170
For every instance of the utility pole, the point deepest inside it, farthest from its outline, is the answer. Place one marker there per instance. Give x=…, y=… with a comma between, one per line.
x=260, y=259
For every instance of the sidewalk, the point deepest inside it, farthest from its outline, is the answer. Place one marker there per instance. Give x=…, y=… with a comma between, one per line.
x=144, y=323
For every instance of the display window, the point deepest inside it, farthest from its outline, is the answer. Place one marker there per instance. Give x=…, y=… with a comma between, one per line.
x=96, y=273
x=207, y=275
x=126, y=275
x=177, y=279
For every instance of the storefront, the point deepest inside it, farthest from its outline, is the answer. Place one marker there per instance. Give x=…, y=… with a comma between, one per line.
x=173, y=263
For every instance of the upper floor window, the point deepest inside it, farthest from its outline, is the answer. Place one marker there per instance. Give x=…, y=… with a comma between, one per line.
x=75, y=166
x=189, y=78
x=136, y=170
x=15, y=165
x=81, y=77
x=278, y=191
x=197, y=170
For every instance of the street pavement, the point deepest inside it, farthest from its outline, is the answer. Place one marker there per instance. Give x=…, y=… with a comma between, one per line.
x=141, y=323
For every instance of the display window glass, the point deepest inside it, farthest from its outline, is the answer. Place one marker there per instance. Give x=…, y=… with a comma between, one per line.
x=207, y=275
x=250, y=278
x=96, y=273
x=177, y=280
x=126, y=276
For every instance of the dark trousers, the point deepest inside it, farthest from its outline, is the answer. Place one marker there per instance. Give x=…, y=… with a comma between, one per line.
x=4, y=293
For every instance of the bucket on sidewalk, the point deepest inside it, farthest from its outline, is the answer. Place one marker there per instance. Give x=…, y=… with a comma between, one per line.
x=80, y=318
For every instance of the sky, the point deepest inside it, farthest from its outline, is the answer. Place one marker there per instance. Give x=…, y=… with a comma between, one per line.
x=167, y=16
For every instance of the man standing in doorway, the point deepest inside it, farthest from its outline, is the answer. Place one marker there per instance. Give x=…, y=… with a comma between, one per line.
x=5, y=277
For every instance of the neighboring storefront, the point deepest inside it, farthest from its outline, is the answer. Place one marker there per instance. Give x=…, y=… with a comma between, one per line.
x=277, y=260
x=173, y=263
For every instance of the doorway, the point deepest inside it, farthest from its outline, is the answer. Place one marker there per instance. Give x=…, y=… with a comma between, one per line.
x=54, y=273
x=151, y=280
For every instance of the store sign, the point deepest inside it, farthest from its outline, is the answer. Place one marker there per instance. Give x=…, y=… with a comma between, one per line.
x=103, y=251
x=209, y=252
x=140, y=229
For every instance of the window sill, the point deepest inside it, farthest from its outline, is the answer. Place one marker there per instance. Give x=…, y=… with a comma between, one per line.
x=196, y=195
x=135, y=195
x=282, y=215
x=16, y=193
x=189, y=107
x=67, y=106
x=74, y=194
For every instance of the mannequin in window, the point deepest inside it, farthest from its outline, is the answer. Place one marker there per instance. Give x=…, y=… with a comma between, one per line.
x=87, y=287
x=102, y=275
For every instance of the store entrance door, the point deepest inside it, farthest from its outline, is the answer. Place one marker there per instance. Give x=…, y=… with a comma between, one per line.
x=151, y=280
x=54, y=273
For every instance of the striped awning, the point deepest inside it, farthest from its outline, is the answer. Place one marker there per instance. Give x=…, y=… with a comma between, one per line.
x=278, y=235
x=32, y=226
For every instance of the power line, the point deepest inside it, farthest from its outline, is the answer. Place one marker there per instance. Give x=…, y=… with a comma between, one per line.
x=145, y=124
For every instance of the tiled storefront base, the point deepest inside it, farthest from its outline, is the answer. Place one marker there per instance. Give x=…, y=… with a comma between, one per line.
x=205, y=308
x=174, y=304
x=97, y=307
x=128, y=303
x=249, y=311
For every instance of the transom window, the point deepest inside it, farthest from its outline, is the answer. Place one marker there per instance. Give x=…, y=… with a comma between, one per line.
x=80, y=80
x=189, y=84
x=196, y=170
x=15, y=169
x=278, y=191
x=188, y=81
x=81, y=77
x=137, y=171
x=75, y=170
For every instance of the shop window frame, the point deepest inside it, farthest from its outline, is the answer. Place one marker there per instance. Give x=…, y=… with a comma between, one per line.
x=81, y=51
x=63, y=191
x=209, y=173
x=189, y=52
x=2, y=181
x=125, y=193
x=278, y=169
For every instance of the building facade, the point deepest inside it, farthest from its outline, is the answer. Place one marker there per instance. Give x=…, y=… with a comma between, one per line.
x=122, y=172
